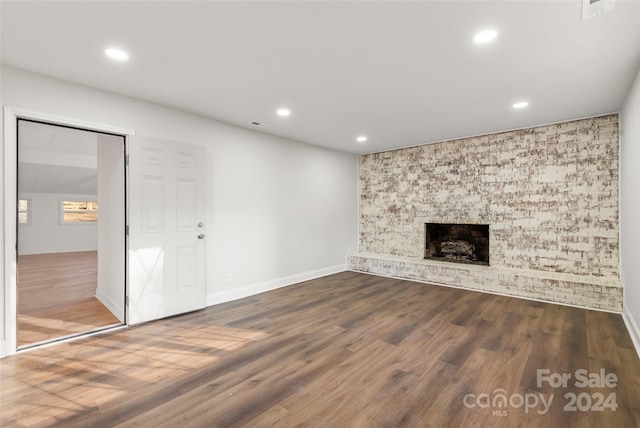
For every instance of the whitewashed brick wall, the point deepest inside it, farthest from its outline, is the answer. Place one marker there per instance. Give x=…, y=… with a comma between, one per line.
x=549, y=194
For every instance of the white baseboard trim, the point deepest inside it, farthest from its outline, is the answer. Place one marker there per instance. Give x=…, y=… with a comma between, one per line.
x=253, y=289
x=632, y=327
x=3, y=349
x=117, y=309
x=54, y=251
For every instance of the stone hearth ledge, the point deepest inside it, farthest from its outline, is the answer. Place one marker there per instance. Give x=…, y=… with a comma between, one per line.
x=592, y=292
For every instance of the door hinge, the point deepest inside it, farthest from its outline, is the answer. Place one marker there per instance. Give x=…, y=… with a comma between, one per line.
x=126, y=230
x=126, y=301
x=126, y=159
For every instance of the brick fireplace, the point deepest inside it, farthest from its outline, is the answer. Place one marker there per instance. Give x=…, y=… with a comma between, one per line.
x=549, y=194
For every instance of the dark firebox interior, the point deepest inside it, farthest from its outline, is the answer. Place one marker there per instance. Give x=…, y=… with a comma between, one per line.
x=460, y=243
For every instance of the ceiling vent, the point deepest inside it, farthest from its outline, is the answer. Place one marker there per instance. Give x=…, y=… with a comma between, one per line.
x=259, y=124
x=596, y=7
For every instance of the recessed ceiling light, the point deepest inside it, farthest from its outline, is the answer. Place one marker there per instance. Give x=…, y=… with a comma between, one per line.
x=361, y=139
x=485, y=36
x=284, y=112
x=117, y=54
x=520, y=104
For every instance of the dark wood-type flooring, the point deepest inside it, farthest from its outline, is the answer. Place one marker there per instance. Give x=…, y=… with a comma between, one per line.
x=346, y=350
x=56, y=296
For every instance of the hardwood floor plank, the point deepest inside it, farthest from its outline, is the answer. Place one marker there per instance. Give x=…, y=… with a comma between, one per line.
x=56, y=296
x=345, y=350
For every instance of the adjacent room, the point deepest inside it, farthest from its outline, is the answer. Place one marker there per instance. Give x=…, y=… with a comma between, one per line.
x=307, y=213
x=60, y=292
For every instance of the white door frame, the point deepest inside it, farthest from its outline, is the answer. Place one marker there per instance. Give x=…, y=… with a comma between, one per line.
x=8, y=338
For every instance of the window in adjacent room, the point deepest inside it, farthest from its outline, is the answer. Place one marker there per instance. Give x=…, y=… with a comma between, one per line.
x=24, y=212
x=74, y=212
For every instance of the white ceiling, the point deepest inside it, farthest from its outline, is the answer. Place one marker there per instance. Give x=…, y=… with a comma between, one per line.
x=402, y=73
x=56, y=179
x=44, y=137
x=55, y=159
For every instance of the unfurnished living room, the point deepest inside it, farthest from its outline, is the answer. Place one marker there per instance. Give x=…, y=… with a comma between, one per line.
x=320, y=213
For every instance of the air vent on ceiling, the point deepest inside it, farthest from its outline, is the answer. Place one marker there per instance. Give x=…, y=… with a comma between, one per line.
x=259, y=124
x=592, y=8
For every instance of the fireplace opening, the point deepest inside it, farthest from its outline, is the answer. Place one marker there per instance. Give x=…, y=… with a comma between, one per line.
x=459, y=243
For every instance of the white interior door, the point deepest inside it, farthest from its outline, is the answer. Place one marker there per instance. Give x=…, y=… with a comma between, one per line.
x=166, y=229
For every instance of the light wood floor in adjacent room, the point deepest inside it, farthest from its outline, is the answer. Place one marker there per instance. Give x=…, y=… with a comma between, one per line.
x=56, y=296
x=347, y=350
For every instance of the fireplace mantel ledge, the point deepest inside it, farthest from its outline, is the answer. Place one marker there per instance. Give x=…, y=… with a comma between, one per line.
x=594, y=292
x=558, y=276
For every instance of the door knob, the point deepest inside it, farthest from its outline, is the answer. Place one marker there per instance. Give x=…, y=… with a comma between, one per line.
x=201, y=236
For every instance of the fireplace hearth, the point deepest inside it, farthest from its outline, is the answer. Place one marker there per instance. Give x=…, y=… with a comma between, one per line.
x=458, y=243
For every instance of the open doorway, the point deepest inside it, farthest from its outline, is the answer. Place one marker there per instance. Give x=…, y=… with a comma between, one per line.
x=71, y=232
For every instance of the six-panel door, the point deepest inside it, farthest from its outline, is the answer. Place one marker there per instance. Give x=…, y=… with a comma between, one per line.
x=166, y=229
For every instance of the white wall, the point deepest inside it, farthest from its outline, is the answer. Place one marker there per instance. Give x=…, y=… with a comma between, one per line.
x=111, y=224
x=277, y=210
x=45, y=234
x=630, y=209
